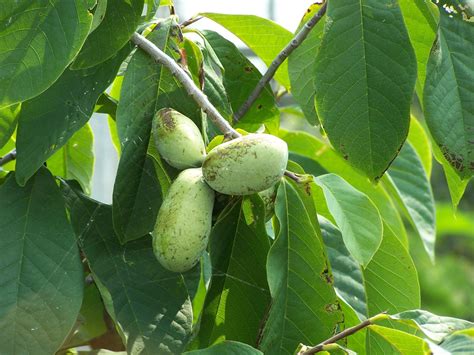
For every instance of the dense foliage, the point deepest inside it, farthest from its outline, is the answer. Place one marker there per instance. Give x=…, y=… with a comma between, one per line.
x=328, y=259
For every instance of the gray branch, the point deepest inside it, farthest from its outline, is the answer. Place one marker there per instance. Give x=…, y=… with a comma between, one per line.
x=290, y=47
x=201, y=99
x=8, y=157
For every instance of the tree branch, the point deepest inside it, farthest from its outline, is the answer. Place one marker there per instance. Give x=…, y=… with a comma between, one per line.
x=345, y=333
x=201, y=99
x=290, y=47
x=8, y=157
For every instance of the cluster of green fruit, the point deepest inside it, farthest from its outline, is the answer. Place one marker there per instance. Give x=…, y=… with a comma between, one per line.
x=243, y=166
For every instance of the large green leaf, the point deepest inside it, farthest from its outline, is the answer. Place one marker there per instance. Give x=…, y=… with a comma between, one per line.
x=120, y=21
x=420, y=19
x=408, y=177
x=41, y=277
x=240, y=77
x=151, y=305
x=304, y=304
x=310, y=147
x=365, y=76
x=301, y=68
x=226, y=348
x=449, y=87
x=239, y=292
x=75, y=160
x=400, y=342
x=391, y=280
x=8, y=120
x=265, y=37
x=50, y=119
x=356, y=216
x=39, y=38
x=146, y=88
x=461, y=342
x=348, y=280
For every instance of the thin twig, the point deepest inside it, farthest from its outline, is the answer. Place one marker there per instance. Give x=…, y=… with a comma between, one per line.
x=190, y=21
x=8, y=157
x=292, y=176
x=290, y=47
x=201, y=99
x=343, y=334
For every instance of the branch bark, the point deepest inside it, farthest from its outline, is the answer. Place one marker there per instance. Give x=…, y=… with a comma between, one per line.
x=201, y=99
x=343, y=334
x=8, y=157
x=290, y=47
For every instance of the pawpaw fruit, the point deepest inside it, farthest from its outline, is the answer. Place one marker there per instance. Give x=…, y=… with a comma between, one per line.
x=178, y=139
x=246, y=165
x=184, y=221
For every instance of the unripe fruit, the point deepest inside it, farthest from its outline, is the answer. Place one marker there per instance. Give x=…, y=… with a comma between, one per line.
x=184, y=222
x=246, y=164
x=178, y=139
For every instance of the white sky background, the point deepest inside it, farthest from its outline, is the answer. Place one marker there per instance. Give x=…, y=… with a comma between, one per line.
x=286, y=13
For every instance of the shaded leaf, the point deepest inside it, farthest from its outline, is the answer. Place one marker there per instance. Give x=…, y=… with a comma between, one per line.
x=365, y=76
x=8, y=120
x=114, y=31
x=50, y=119
x=226, y=347
x=39, y=40
x=41, y=278
x=420, y=141
x=460, y=342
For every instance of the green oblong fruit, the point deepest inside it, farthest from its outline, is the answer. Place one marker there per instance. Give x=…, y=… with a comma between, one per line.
x=246, y=165
x=178, y=139
x=184, y=222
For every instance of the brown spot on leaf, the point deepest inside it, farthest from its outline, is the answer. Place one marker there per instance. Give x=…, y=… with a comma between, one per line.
x=248, y=69
x=260, y=106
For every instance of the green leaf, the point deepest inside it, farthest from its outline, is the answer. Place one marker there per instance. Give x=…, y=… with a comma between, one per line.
x=356, y=216
x=120, y=21
x=421, y=22
x=75, y=160
x=420, y=141
x=239, y=292
x=39, y=40
x=305, y=307
x=99, y=14
x=150, y=304
x=460, y=342
x=240, y=77
x=434, y=327
x=391, y=280
x=411, y=185
x=365, y=76
x=348, y=280
x=226, y=347
x=50, y=119
x=147, y=87
x=448, y=104
x=8, y=120
x=400, y=342
x=301, y=68
x=309, y=146
x=265, y=37
x=357, y=340
x=454, y=223
x=41, y=278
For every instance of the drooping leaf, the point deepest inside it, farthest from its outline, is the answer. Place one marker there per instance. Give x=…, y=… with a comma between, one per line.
x=304, y=304
x=301, y=68
x=265, y=37
x=50, y=119
x=310, y=147
x=449, y=87
x=150, y=304
x=400, y=342
x=75, y=160
x=421, y=22
x=239, y=296
x=408, y=177
x=120, y=21
x=8, y=120
x=226, y=347
x=365, y=76
x=348, y=279
x=147, y=87
x=420, y=141
x=240, y=77
x=41, y=277
x=356, y=216
x=38, y=40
